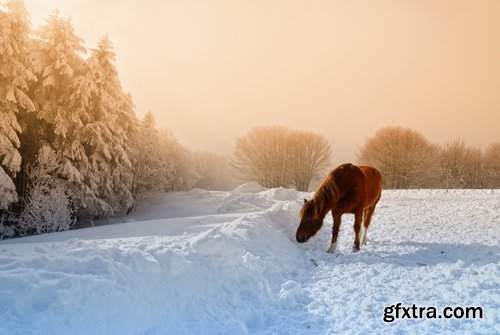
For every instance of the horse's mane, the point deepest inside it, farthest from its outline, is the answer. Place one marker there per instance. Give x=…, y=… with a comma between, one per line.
x=325, y=194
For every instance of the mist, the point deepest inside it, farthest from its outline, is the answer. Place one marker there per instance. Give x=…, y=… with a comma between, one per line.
x=210, y=71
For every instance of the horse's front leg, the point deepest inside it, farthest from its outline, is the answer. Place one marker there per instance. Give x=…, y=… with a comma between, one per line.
x=335, y=232
x=358, y=219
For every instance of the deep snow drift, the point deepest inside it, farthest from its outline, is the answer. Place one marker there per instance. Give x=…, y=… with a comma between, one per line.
x=227, y=263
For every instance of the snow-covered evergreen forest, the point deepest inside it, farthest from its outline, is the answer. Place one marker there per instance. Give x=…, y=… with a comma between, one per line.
x=71, y=145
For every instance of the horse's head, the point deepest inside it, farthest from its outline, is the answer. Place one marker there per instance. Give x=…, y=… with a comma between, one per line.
x=310, y=222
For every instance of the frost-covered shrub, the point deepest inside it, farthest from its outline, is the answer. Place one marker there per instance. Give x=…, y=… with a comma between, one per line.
x=47, y=206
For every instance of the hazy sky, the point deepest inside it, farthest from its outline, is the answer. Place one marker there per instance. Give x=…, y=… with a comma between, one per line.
x=212, y=69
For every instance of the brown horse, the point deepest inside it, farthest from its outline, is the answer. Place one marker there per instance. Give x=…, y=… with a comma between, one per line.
x=347, y=189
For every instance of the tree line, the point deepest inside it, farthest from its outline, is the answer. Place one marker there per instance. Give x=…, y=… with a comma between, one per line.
x=408, y=160
x=72, y=147
x=278, y=156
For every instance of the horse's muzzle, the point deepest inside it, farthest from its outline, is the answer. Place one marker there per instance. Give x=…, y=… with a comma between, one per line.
x=301, y=238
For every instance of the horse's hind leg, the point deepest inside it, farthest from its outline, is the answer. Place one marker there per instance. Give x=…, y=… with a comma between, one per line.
x=366, y=223
x=358, y=219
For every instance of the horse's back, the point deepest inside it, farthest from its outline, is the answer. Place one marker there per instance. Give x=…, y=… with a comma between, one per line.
x=373, y=182
x=359, y=187
x=372, y=174
x=366, y=179
x=359, y=174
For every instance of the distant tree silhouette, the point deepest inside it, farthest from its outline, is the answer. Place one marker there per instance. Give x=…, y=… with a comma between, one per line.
x=212, y=171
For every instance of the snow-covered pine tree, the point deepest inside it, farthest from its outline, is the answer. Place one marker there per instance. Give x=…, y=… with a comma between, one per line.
x=151, y=164
x=15, y=76
x=182, y=173
x=59, y=67
x=61, y=93
x=67, y=95
x=106, y=136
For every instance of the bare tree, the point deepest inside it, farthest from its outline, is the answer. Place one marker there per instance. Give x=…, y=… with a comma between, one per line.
x=279, y=156
x=492, y=165
x=405, y=157
x=474, y=173
x=261, y=156
x=311, y=156
x=461, y=165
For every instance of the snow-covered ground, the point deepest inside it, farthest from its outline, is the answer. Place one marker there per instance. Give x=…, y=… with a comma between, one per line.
x=227, y=263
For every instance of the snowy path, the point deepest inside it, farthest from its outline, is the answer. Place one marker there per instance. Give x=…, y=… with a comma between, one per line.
x=227, y=263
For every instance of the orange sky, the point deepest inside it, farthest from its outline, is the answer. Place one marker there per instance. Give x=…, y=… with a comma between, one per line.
x=212, y=69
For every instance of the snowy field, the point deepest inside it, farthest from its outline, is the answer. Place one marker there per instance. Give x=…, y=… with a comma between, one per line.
x=227, y=263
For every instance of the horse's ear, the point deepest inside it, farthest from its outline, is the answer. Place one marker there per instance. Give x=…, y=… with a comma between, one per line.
x=305, y=201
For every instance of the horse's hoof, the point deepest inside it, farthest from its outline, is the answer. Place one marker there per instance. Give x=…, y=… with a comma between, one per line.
x=332, y=248
x=355, y=248
x=365, y=239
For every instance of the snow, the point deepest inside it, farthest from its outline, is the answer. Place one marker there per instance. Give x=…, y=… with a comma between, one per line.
x=204, y=262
